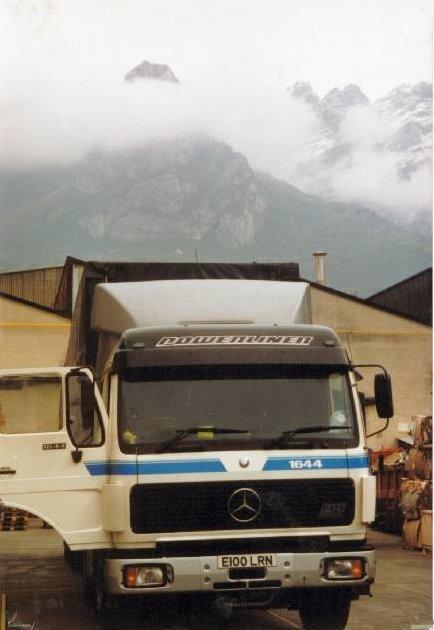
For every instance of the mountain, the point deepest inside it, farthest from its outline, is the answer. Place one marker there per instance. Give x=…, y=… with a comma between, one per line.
x=409, y=110
x=396, y=128
x=168, y=200
x=151, y=71
x=331, y=109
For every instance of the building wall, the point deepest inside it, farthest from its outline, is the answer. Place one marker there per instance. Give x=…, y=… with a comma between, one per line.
x=375, y=336
x=31, y=337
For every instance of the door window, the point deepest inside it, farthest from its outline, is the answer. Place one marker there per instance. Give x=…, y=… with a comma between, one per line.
x=30, y=404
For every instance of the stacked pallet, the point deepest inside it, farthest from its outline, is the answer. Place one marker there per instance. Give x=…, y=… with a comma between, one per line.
x=389, y=471
x=416, y=488
x=13, y=519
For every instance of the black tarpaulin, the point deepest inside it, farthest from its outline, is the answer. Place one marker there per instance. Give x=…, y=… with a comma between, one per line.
x=83, y=341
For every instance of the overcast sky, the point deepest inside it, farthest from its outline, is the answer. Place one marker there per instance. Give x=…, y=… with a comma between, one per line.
x=63, y=94
x=375, y=43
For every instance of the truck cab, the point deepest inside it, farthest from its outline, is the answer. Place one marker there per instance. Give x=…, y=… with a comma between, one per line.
x=228, y=461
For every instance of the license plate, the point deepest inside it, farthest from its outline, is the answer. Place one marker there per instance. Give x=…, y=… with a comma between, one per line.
x=247, y=560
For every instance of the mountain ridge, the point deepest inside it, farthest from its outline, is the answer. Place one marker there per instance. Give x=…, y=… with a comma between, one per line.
x=401, y=133
x=168, y=200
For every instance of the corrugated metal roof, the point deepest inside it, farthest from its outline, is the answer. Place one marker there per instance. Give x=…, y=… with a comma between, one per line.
x=411, y=297
x=36, y=286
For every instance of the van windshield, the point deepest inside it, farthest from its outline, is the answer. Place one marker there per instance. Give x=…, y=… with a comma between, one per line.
x=257, y=403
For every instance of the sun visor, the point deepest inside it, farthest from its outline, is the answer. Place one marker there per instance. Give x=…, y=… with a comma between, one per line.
x=119, y=306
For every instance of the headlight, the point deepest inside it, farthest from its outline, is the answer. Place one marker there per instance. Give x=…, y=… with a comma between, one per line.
x=144, y=576
x=344, y=569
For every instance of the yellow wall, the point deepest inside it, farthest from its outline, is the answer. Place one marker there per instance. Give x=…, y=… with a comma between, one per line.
x=375, y=336
x=31, y=337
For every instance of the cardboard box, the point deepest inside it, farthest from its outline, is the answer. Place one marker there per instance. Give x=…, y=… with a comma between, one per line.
x=411, y=534
x=426, y=529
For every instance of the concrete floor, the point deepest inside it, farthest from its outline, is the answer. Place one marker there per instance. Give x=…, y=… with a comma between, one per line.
x=38, y=582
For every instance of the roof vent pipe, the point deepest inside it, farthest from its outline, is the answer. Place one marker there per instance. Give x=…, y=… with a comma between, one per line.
x=319, y=266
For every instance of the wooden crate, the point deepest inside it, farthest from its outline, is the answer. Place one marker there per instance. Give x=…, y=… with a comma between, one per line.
x=388, y=513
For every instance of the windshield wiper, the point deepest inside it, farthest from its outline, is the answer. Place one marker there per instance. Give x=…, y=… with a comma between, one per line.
x=287, y=435
x=180, y=434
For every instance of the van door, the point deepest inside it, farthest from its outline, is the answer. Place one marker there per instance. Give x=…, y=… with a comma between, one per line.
x=53, y=450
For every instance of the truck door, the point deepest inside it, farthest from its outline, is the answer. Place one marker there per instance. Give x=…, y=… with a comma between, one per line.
x=53, y=436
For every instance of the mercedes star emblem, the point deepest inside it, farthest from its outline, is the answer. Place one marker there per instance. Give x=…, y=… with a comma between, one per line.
x=244, y=505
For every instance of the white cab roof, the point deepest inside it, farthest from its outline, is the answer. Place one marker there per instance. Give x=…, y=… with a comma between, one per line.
x=119, y=306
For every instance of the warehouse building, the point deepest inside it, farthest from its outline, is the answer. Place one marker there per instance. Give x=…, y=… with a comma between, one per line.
x=33, y=332
x=412, y=297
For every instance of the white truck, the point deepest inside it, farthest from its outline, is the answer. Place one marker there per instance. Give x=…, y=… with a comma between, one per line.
x=224, y=458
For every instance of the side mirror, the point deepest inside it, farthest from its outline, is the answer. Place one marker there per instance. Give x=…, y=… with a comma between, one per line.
x=383, y=395
x=86, y=401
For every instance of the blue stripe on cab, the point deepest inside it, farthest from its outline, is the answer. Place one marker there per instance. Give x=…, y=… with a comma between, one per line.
x=180, y=466
x=358, y=461
x=98, y=468
x=159, y=467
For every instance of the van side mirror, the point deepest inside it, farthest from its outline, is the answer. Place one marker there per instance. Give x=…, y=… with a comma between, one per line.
x=86, y=401
x=383, y=395
x=83, y=419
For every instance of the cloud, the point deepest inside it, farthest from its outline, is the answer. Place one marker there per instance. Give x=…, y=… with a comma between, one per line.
x=372, y=174
x=58, y=105
x=372, y=180
x=362, y=125
x=65, y=117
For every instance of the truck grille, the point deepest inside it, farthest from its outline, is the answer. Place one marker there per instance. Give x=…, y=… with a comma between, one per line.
x=189, y=507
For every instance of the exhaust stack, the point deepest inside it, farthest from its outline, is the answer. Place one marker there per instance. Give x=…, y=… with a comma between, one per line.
x=319, y=266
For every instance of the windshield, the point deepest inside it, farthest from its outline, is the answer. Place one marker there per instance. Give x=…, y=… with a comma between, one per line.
x=262, y=400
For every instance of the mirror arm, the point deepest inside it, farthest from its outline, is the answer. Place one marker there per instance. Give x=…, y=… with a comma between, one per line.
x=369, y=400
x=380, y=430
x=363, y=365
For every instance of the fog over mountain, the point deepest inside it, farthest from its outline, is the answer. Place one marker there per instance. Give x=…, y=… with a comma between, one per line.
x=144, y=165
x=341, y=146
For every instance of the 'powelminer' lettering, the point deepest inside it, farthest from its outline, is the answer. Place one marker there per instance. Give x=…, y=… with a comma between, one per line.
x=236, y=340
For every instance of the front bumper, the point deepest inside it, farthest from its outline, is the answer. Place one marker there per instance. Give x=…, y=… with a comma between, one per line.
x=201, y=574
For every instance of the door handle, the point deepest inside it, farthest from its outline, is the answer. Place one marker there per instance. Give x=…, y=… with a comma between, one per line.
x=6, y=470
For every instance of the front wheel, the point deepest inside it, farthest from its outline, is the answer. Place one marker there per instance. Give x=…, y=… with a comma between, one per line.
x=104, y=605
x=325, y=611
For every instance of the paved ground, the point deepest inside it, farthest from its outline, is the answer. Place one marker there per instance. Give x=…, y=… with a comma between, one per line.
x=37, y=581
